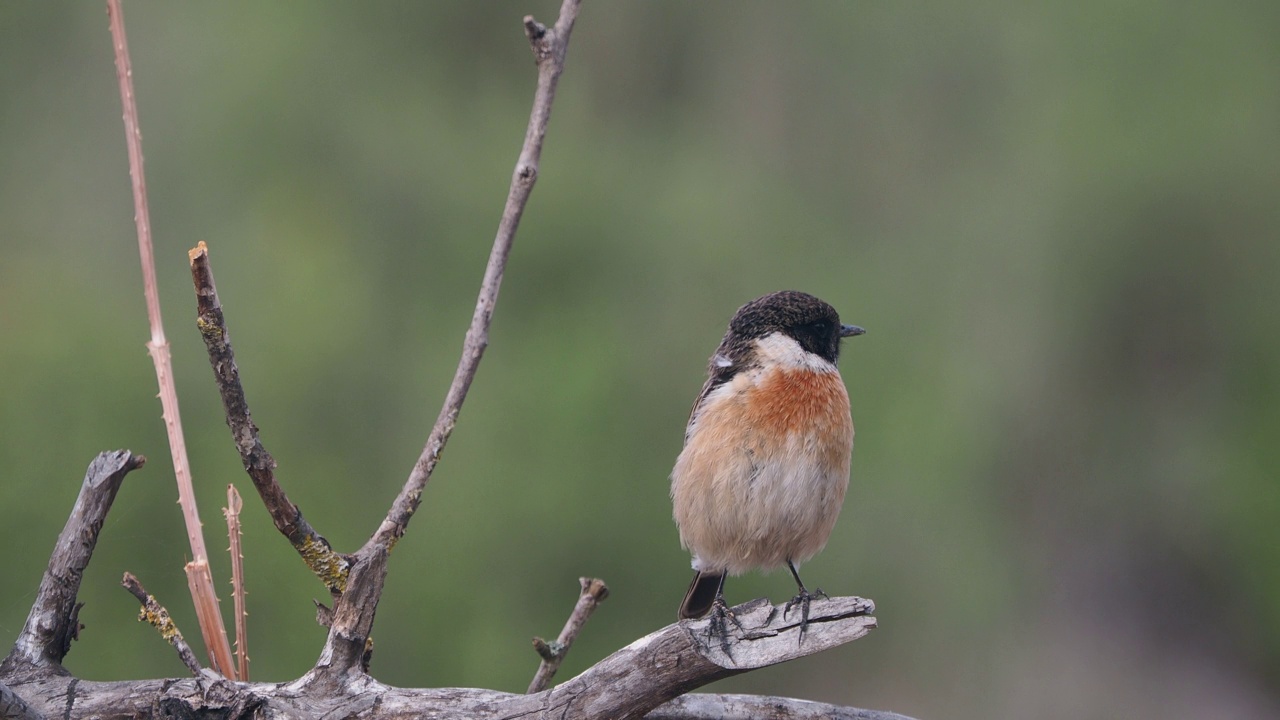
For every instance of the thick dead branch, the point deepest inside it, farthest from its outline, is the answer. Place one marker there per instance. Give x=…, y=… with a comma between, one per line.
x=66, y=696
x=683, y=657
x=592, y=594
x=155, y=615
x=349, y=645
x=13, y=707
x=549, y=46
x=700, y=706
x=331, y=567
x=200, y=581
x=637, y=679
x=53, y=621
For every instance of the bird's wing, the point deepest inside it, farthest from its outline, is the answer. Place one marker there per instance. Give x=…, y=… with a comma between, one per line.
x=724, y=365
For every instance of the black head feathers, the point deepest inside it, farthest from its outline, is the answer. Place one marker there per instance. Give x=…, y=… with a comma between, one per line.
x=813, y=324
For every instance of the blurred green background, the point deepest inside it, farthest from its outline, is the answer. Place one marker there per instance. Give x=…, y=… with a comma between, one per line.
x=1059, y=223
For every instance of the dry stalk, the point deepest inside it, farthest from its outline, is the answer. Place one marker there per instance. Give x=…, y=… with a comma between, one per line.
x=198, y=577
x=232, y=513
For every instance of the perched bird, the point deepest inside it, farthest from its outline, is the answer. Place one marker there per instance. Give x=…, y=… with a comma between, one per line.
x=765, y=463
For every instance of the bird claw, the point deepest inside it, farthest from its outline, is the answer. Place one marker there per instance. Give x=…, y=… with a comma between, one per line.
x=803, y=598
x=717, y=627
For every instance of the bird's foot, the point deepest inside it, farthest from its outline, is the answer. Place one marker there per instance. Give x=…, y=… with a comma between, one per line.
x=803, y=598
x=718, y=624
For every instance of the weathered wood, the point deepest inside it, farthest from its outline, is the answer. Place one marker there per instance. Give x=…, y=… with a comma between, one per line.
x=702, y=706
x=53, y=621
x=13, y=707
x=635, y=680
x=683, y=657
x=347, y=648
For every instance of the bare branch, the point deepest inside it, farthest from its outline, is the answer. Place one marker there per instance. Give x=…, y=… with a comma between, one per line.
x=232, y=512
x=701, y=706
x=13, y=707
x=348, y=645
x=549, y=47
x=203, y=593
x=633, y=681
x=331, y=567
x=682, y=657
x=60, y=695
x=593, y=593
x=53, y=621
x=155, y=615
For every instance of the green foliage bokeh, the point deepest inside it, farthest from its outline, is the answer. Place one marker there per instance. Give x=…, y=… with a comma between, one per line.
x=1058, y=223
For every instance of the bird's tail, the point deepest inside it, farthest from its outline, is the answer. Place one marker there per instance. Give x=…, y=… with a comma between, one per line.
x=702, y=592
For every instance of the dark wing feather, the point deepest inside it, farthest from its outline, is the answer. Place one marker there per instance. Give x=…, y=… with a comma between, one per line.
x=729, y=359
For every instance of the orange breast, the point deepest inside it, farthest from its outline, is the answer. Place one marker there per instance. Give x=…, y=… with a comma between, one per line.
x=789, y=402
x=763, y=475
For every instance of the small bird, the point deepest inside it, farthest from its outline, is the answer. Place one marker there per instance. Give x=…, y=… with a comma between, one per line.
x=765, y=463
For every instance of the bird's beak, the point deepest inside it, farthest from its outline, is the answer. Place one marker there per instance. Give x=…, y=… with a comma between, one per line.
x=851, y=330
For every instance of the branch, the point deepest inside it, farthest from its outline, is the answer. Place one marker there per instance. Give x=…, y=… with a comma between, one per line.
x=329, y=566
x=155, y=615
x=352, y=620
x=53, y=621
x=682, y=657
x=627, y=684
x=549, y=46
x=702, y=706
x=593, y=593
x=200, y=581
x=63, y=696
x=13, y=707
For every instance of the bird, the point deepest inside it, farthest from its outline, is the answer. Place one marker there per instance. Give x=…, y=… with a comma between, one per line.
x=763, y=472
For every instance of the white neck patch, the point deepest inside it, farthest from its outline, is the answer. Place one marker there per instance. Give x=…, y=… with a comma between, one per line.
x=781, y=349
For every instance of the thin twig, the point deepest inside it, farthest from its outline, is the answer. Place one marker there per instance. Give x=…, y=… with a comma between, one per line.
x=549, y=46
x=53, y=621
x=155, y=614
x=331, y=567
x=204, y=596
x=593, y=593
x=232, y=512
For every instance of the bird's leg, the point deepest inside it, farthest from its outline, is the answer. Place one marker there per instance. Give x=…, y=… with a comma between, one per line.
x=802, y=598
x=720, y=612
